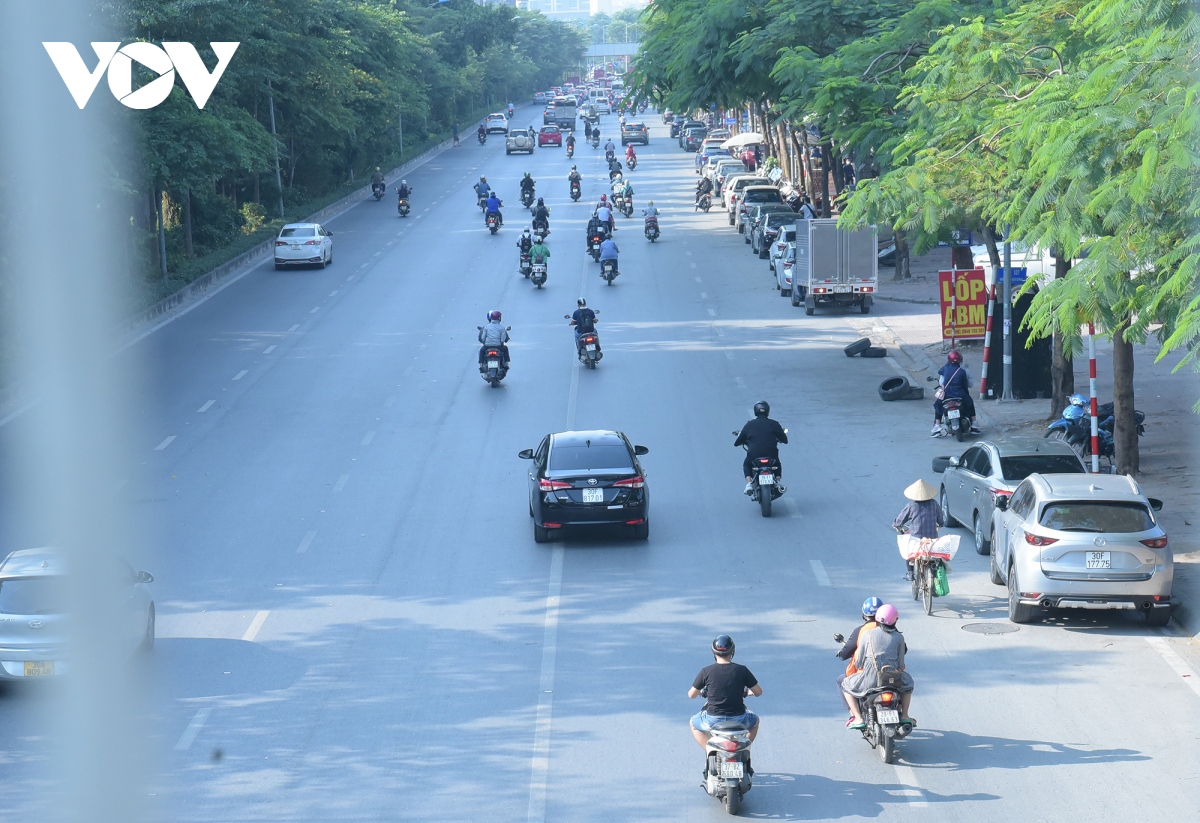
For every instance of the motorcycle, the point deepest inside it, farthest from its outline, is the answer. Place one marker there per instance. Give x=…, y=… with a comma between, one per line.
x=766, y=487
x=609, y=156
x=627, y=208
x=403, y=208
x=493, y=222
x=594, y=245
x=482, y=138
x=727, y=772
x=378, y=189
x=881, y=709
x=541, y=226
x=493, y=369
x=481, y=201
x=1075, y=429
x=618, y=201
x=539, y=274
x=631, y=162
x=526, y=267
x=608, y=269
x=527, y=199
x=595, y=142
x=570, y=150
x=651, y=229
x=956, y=424
x=587, y=347
x=510, y=112
x=705, y=202
x=576, y=191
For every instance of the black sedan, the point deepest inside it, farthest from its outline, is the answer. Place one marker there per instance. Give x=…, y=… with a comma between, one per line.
x=587, y=478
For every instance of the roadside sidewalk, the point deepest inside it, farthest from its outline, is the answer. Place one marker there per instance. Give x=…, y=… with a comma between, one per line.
x=1170, y=450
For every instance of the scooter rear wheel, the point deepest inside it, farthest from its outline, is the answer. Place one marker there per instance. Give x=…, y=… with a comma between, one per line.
x=733, y=800
x=886, y=747
x=764, y=500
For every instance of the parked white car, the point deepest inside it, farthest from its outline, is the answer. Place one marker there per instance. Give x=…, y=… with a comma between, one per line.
x=783, y=270
x=787, y=237
x=303, y=244
x=1038, y=261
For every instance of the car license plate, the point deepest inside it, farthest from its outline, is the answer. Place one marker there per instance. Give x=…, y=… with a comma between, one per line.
x=39, y=668
x=841, y=289
x=953, y=414
x=766, y=479
x=295, y=247
x=1095, y=560
x=732, y=769
x=888, y=716
x=593, y=495
x=591, y=347
x=493, y=364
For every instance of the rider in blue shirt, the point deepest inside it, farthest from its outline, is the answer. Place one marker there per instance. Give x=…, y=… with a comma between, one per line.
x=493, y=207
x=608, y=251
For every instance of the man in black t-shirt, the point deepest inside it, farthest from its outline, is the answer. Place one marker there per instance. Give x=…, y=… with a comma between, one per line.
x=726, y=685
x=584, y=321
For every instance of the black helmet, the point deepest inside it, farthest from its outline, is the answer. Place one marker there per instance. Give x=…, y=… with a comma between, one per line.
x=723, y=645
x=762, y=408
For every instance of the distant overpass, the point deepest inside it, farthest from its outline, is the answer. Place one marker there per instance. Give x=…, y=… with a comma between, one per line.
x=620, y=54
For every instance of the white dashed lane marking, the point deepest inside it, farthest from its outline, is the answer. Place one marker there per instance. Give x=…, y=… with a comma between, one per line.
x=306, y=542
x=341, y=483
x=819, y=573
x=241, y=374
x=189, y=734
x=205, y=407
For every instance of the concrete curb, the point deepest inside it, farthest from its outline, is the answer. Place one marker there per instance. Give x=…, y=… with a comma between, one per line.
x=906, y=300
x=249, y=260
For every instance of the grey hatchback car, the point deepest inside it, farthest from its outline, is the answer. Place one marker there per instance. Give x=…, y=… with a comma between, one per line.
x=1081, y=541
x=33, y=609
x=991, y=469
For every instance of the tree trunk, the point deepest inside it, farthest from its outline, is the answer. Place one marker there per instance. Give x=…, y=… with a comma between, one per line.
x=162, y=231
x=903, y=262
x=1125, y=437
x=152, y=225
x=257, y=190
x=1062, y=369
x=810, y=185
x=989, y=240
x=835, y=168
x=187, y=222
x=826, y=151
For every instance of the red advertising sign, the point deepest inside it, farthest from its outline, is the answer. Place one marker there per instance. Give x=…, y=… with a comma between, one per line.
x=963, y=297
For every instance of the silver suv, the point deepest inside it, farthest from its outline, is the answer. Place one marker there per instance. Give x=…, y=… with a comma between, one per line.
x=1081, y=541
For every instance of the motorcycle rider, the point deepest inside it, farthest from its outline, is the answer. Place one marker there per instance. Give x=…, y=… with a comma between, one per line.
x=404, y=192
x=627, y=193
x=605, y=215
x=629, y=153
x=482, y=189
x=704, y=187
x=596, y=133
x=482, y=132
x=883, y=645
x=955, y=380
x=651, y=210
x=527, y=185
x=496, y=335
x=614, y=169
x=542, y=214
x=377, y=179
x=525, y=243
x=921, y=517
x=726, y=686
x=493, y=207
x=869, y=607
x=539, y=253
x=510, y=111
x=575, y=178
x=610, y=149
x=594, y=228
x=571, y=142
x=761, y=437
x=609, y=251
x=584, y=321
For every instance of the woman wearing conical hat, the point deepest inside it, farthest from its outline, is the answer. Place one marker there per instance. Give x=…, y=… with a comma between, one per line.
x=921, y=517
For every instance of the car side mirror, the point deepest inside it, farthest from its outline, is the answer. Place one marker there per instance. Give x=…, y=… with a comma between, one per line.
x=1155, y=503
x=329, y=234
x=525, y=454
x=1001, y=503
x=144, y=577
x=640, y=450
x=953, y=461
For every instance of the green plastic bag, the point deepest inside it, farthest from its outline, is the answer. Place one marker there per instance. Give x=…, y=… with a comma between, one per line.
x=941, y=583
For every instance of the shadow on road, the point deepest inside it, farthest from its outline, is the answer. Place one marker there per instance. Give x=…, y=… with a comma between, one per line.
x=956, y=751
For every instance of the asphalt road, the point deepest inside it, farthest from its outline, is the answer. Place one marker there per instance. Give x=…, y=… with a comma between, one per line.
x=355, y=623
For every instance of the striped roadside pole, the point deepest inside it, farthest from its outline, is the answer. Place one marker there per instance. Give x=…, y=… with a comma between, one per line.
x=1091, y=334
x=987, y=334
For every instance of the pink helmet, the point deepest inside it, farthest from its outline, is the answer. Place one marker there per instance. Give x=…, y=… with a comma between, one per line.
x=887, y=615
x=954, y=356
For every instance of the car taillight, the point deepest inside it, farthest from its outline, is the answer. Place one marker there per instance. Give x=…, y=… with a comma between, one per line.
x=281, y=242
x=1154, y=542
x=552, y=485
x=631, y=483
x=1034, y=540
x=312, y=242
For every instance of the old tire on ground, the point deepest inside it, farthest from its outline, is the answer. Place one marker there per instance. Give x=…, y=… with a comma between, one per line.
x=858, y=346
x=940, y=464
x=875, y=351
x=915, y=393
x=894, y=388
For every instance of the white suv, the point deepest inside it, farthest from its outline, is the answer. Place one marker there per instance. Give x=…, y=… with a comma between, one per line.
x=1081, y=541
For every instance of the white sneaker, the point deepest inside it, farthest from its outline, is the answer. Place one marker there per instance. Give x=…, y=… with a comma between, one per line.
x=936, y=430
x=750, y=487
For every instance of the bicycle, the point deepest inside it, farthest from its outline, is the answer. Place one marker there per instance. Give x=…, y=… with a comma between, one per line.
x=926, y=563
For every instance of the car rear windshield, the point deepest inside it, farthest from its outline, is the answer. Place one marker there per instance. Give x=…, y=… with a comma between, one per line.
x=597, y=457
x=1019, y=467
x=761, y=196
x=1105, y=517
x=32, y=595
x=304, y=231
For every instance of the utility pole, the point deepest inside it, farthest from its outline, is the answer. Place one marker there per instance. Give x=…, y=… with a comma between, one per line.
x=1008, y=392
x=400, y=120
x=275, y=143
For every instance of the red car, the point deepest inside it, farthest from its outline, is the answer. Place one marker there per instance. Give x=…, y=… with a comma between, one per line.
x=549, y=136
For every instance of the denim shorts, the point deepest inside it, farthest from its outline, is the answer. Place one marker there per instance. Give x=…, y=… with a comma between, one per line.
x=703, y=721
